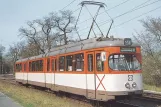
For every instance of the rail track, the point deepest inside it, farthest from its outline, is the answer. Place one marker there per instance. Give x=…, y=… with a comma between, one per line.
x=149, y=98
x=142, y=102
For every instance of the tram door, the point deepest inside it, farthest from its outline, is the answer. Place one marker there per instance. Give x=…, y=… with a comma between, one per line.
x=95, y=66
x=25, y=73
x=53, y=70
x=48, y=74
x=91, y=79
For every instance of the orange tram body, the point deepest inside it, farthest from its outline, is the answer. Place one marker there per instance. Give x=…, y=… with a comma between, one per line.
x=97, y=68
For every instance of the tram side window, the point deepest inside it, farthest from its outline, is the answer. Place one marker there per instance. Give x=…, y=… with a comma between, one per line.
x=33, y=66
x=99, y=63
x=61, y=63
x=24, y=67
x=30, y=66
x=48, y=64
x=52, y=64
x=41, y=65
x=124, y=62
x=69, y=63
x=79, y=62
x=19, y=67
x=55, y=64
x=36, y=66
x=90, y=62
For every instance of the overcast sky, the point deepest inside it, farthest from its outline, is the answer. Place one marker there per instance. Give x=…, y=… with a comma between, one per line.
x=15, y=13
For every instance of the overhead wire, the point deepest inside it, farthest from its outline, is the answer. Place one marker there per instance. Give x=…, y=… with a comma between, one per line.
x=138, y=7
x=68, y=4
x=136, y=17
x=76, y=10
x=133, y=9
x=106, y=10
x=99, y=13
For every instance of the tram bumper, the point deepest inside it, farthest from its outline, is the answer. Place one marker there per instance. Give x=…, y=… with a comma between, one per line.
x=119, y=93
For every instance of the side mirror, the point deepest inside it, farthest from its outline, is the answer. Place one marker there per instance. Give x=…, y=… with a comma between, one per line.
x=103, y=56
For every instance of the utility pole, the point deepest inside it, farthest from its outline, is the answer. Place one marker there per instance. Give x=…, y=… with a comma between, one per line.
x=1, y=60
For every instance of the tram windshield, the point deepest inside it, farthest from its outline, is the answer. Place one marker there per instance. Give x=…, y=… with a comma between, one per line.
x=124, y=62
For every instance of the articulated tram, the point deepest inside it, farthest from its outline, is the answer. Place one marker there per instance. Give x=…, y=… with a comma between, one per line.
x=97, y=68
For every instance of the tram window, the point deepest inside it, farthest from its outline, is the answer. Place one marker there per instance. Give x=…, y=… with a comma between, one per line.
x=16, y=68
x=99, y=63
x=90, y=62
x=79, y=62
x=19, y=67
x=41, y=65
x=61, y=63
x=69, y=62
x=48, y=64
x=124, y=62
x=30, y=66
x=52, y=64
x=55, y=64
x=24, y=67
x=36, y=65
x=33, y=66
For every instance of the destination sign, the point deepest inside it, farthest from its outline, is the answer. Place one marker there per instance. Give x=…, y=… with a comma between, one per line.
x=128, y=49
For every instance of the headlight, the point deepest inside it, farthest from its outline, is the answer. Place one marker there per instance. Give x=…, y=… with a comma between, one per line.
x=134, y=85
x=127, y=85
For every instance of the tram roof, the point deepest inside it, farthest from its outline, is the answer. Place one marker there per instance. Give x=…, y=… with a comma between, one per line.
x=82, y=45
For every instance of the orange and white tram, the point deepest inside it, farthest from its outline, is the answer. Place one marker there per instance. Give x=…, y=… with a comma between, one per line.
x=97, y=68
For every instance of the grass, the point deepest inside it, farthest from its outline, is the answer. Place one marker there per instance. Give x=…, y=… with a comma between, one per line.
x=29, y=97
x=152, y=87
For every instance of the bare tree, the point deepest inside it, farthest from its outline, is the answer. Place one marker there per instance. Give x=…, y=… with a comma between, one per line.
x=153, y=26
x=2, y=48
x=31, y=35
x=16, y=51
x=43, y=34
x=47, y=25
x=64, y=23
